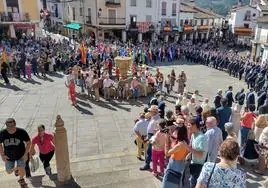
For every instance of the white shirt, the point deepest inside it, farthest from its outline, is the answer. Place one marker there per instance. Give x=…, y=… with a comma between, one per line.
x=69, y=78
x=141, y=127
x=214, y=139
x=107, y=82
x=89, y=82
x=153, y=124
x=53, y=61
x=115, y=84
x=197, y=98
x=205, y=107
x=191, y=107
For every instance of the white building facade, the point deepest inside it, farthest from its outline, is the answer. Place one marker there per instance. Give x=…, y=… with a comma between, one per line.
x=169, y=17
x=79, y=12
x=151, y=19
x=260, y=42
x=141, y=19
x=242, y=21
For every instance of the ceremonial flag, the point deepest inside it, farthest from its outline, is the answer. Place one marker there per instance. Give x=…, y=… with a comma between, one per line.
x=83, y=54
x=4, y=55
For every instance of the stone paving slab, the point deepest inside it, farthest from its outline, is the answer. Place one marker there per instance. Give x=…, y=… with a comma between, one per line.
x=96, y=129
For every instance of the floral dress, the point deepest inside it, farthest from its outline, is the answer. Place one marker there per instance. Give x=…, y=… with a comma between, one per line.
x=222, y=177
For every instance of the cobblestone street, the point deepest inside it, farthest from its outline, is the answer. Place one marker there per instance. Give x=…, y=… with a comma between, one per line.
x=99, y=133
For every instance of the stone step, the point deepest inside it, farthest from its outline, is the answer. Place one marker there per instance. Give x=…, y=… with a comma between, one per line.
x=88, y=166
x=107, y=177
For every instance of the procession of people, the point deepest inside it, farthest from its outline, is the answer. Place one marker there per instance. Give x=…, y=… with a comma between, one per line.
x=208, y=139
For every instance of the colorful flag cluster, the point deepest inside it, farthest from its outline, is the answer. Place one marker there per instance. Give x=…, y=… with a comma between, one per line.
x=83, y=53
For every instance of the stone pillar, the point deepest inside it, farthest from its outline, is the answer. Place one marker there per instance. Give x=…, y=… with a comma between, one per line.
x=140, y=37
x=61, y=151
x=207, y=34
x=153, y=37
x=177, y=38
x=184, y=37
x=124, y=36
x=191, y=36
x=166, y=38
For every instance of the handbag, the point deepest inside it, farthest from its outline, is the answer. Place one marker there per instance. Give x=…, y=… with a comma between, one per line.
x=34, y=163
x=173, y=176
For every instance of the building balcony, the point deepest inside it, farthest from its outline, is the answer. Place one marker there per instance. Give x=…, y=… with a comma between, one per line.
x=112, y=3
x=242, y=31
x=14, y=17
x=112, y=21
x=204, y=27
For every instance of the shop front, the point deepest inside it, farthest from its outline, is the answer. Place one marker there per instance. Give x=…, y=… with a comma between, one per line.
x=243, y=35
x=187, y=32
x=204, y=32
x=73, y=29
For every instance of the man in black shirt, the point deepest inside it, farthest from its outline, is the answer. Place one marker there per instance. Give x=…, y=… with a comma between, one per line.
x=14, y=147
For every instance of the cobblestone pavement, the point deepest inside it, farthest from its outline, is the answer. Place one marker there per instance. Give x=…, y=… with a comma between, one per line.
x=99, y=134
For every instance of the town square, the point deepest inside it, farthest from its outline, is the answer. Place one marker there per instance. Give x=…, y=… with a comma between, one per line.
x=172, y=97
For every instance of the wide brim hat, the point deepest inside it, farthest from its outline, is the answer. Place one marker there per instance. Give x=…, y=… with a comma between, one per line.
x=178, y=122
x=153, y=108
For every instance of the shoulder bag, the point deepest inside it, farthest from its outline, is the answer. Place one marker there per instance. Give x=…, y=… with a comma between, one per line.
x=211, y=175
x=172, y=176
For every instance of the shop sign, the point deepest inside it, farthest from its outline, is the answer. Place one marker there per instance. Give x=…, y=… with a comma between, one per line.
x=188, y=28
x=24, y=26
x=204, y=27
x=167, y=29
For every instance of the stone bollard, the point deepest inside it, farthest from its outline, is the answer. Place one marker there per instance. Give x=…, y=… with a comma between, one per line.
x=61, y=151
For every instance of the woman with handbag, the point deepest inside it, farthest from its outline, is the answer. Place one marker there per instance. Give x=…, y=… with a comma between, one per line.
x=176, y=148
x=44, y=141
x=225, y=173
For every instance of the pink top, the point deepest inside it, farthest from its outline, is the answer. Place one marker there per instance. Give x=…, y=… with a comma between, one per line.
x=160, y=140
x=134, y=84
x=46, y=146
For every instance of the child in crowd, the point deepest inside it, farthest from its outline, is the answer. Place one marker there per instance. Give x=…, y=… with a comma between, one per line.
x=158, y=148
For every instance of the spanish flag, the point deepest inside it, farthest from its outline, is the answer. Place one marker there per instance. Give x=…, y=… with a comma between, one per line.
x=4, y=55
x=83, y=53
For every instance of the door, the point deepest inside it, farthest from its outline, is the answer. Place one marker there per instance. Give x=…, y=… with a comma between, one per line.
x=112, y=16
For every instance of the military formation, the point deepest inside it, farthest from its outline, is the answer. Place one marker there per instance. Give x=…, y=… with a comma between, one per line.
x=255, y=74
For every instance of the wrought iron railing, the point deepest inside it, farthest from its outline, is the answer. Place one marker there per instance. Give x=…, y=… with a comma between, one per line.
x=112, y=2
x=14, y=17
x=112, y=21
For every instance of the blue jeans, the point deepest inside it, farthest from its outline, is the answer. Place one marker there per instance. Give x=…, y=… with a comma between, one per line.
x=160, y=86
x=149, y=151
x=135, y=92
x=244, y=135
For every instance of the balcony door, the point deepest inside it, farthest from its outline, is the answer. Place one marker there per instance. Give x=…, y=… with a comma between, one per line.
x=112, y=16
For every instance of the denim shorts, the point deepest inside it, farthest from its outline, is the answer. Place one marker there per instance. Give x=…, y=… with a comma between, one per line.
x=11, y=164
